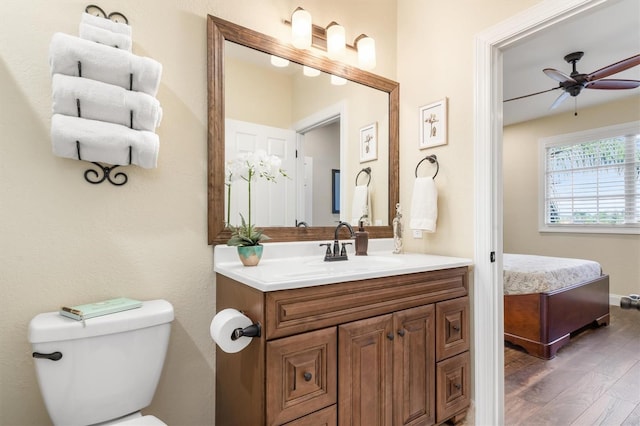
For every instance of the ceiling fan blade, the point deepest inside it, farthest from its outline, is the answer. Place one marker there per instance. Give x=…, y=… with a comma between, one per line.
x=559, y=100
x=613, y=84
x=614, y=68
x=531, y=94
x=558, y=75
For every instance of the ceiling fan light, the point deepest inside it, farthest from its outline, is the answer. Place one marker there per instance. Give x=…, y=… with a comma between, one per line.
x=301, y=29
x=336, y=40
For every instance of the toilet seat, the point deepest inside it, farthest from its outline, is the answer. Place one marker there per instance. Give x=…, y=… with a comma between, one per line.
x=142, y=421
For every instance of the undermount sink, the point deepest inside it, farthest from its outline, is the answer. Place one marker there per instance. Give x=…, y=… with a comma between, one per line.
x=301, y=264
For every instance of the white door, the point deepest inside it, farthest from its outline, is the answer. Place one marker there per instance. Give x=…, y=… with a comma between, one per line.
x=272, y=203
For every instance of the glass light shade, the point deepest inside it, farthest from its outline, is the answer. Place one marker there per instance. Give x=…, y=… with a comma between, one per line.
x=338, y=81
x=366, y=52
x=335, y=40
x=301, y=29
x=279, y=62
x=310, y=72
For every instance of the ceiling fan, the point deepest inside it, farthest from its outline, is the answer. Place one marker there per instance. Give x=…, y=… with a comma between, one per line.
x=573, y=84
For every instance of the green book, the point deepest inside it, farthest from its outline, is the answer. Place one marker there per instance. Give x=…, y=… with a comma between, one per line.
x=91, y=310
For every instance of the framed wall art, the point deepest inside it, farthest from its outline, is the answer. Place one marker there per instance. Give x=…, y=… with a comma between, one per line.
x=369, y=142
x=433, y=124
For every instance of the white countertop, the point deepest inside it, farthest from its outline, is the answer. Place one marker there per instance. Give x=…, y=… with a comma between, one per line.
x=301, y=264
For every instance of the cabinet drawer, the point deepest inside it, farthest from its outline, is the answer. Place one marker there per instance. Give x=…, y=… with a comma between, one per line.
x=453, y=386
x=452, y=327
x=302, y=375
x=325, y=417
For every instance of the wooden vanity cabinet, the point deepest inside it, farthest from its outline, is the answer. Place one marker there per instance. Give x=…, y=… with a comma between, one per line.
x=382, y=351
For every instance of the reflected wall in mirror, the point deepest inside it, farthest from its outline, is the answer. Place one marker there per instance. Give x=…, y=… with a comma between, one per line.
x=291, y=106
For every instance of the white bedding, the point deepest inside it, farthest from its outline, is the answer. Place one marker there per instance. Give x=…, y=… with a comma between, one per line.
x=525, y=274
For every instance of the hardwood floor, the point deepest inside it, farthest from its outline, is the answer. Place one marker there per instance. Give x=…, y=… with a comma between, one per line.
x=594, y=380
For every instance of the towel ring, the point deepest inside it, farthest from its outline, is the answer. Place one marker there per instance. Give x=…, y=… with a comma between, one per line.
x=366, y=170
x=432, y=159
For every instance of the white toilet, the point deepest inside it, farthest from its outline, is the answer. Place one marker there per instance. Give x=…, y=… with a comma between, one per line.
x=105, y=371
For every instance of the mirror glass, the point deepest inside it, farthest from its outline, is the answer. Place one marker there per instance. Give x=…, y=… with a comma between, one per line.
x=314, y=128
x=312, y=125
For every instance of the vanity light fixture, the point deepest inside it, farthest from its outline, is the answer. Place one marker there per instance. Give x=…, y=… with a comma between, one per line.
x=332, y=39
x=366, y=52
x=338, y=81
x=301, y=28
x=310, y=72
x=279, y=62
x=335, y=40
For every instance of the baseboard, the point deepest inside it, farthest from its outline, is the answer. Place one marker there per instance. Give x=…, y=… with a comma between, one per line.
x=614, y=299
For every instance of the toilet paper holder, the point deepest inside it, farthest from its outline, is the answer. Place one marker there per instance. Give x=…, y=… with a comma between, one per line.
x=253, y=330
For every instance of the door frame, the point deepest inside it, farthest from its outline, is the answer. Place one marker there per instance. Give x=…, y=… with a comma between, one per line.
x=488, y=286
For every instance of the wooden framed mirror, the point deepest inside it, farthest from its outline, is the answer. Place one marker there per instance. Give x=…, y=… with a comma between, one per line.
x=219, y=32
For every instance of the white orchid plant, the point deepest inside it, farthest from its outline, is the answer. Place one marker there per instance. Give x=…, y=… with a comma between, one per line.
x=249, y=167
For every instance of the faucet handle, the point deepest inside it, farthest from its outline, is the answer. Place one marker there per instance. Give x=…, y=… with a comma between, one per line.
x=328, y=252
x=343, y=251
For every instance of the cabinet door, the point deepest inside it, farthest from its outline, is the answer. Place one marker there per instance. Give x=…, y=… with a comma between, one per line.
x=414, y=366
x=365, y=350
x=302, y=375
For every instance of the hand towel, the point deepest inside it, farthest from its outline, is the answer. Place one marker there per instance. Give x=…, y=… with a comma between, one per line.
x=106, y=24
x=424, y=205
x=104, y=102
x=106, y=37
x=103, y=63
x=360, y=205
x=103, y=142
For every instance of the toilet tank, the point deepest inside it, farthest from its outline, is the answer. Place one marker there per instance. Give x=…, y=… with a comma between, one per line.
x=110, y=366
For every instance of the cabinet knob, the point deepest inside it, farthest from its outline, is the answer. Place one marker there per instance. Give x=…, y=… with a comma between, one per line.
x=401, y=332
x=456, y=327
x=457, y=386
x=390, y=336
x=307, y=376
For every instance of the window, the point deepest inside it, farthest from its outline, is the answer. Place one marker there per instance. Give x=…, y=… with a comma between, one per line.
x=590, y=181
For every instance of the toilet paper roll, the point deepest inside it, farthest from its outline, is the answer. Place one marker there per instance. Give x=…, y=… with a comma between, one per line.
x=222, y=327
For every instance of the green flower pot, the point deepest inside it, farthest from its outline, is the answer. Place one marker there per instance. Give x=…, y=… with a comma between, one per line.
x=250, y=255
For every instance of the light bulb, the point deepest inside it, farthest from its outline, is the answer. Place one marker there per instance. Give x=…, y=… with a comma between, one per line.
x=335, y=40
x=301, y=29
x=366, y=52
x=310, y=72
x=279, y=62
x=338, y=81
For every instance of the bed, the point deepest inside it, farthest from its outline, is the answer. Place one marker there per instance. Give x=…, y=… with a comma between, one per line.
x=548, y=298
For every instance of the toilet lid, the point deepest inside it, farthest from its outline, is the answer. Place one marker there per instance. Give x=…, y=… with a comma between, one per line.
x=143, y=421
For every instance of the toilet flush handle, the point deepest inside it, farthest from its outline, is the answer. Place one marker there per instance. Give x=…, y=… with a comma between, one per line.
x=54, y=356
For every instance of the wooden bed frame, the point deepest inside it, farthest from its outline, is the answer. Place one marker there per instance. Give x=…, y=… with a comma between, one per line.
x=542, y=323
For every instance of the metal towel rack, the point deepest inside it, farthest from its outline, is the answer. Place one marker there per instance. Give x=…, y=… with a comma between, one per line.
x=366, y=170
x=92, y=9
x=432, y=159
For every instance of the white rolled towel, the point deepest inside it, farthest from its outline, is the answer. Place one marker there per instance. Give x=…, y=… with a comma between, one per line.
x=106, y=37
x=104, y=102
x=103, y=142
x=424, y=205
x=103, y=63
x=106, y=24
x=361, y=205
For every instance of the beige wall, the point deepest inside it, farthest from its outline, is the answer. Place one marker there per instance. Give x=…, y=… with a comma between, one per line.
x=435, y=60
x=617, y=253
x=64, y=241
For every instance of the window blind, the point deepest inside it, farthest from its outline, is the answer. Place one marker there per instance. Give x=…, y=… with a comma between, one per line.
x=593, y=183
